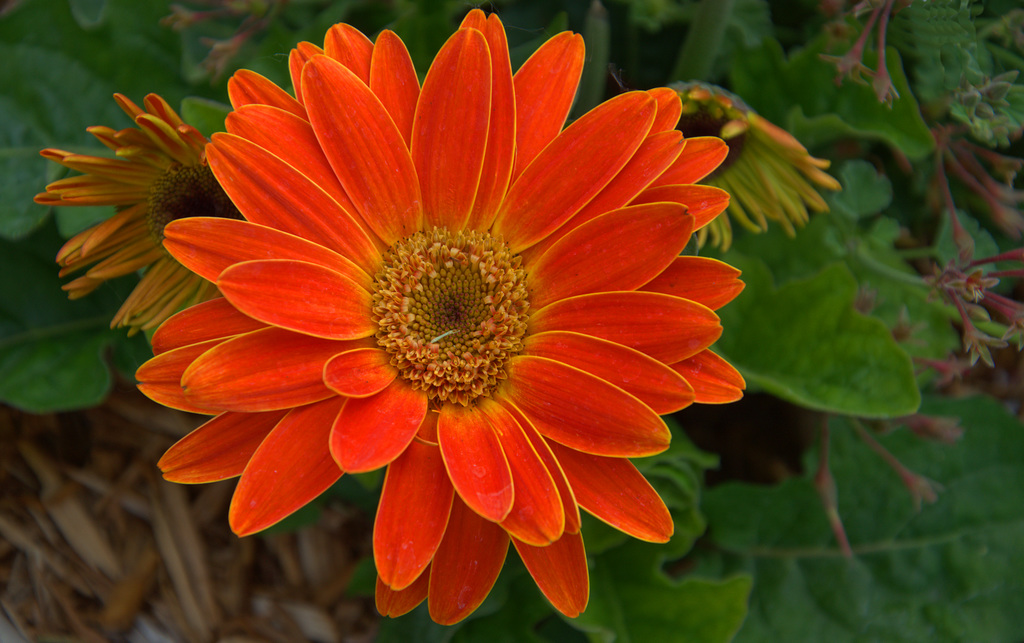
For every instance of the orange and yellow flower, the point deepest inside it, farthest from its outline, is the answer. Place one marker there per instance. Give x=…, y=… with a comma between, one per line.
x=159, y=174
x=767, y=171
x=443, y=281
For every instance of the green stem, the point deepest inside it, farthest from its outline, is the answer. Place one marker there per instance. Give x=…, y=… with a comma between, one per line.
x=703, y=40
x=597, y=35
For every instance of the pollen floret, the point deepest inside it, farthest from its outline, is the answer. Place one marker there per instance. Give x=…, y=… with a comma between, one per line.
x=451, y=310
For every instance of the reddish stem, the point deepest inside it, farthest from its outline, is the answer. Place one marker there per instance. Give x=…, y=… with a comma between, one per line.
x=825, y=485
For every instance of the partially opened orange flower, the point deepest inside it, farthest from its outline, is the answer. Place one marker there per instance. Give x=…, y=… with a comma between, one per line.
x=159, y=174
x=443, y=281
x=767, y=171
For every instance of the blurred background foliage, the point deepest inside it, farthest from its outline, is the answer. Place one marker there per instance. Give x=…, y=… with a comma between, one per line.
x=840, y=506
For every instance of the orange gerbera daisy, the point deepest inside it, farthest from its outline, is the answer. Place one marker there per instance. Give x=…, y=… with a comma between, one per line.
x=443, y=281
x=159, y=174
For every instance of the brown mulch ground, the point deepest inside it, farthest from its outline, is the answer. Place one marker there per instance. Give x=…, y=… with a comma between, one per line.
x=95, y=546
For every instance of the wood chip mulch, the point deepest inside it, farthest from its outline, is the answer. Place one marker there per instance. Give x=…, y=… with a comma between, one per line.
x=95, y=546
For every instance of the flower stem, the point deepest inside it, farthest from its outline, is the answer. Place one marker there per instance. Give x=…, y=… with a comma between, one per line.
x=702, y=40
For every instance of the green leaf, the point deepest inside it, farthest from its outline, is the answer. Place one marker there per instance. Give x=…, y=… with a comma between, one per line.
x=865, y=192
x=633, y=601
x=945, y=247
x=950, y=572
x=805, y=343
x=88, y=13
x=414, y=626
x=799, y=94
x=52, y=351
x=204, y=114
x=364, y=579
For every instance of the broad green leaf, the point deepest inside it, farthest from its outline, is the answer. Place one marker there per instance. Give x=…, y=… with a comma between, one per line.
x=865, y=192
x=88, y=13
x=805, y=343
x=633, y=601
x=52, y=351
x=204, y=114
x=950, y=572
x=791, y=92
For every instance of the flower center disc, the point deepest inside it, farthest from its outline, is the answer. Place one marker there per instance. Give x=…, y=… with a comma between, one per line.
x=451, y=310
x=186, y=191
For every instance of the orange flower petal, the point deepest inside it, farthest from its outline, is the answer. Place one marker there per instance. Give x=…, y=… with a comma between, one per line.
x=365, y=149
x=560, y=571
x=449, y=132
x=412, y=515
x=428, y=430
x=264, y=370
x=701, y=279
x=247, y=88
x=291, y=139
x=304, y=297
x=652, y=382
x=270, y=192
x=476, y=463
x=475, y=19
x=545, y=87
x=704, y=202
x=290, y=468
x=620, y=250
x=466, y=565
x=701, y=156
x=576, y=166
x=395, y=603
x=297, y=60
x=537, y=516
x=160, y=378
x=167, y=138
x=373, y=431
x=219, y=449
x=213, y=319
x=714, y=380
x=667, y=328
x=351, y=48
x=655, y=154
x=582, y=411
x=501, y=137
x=540, y=445
x=208, y=246
x=670, y=108
x=360, y=373
x=393, y=80
x=615, y=492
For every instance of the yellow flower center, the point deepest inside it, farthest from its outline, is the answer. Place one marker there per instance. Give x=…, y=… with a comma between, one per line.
x=451, y=310
x=186, y=191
